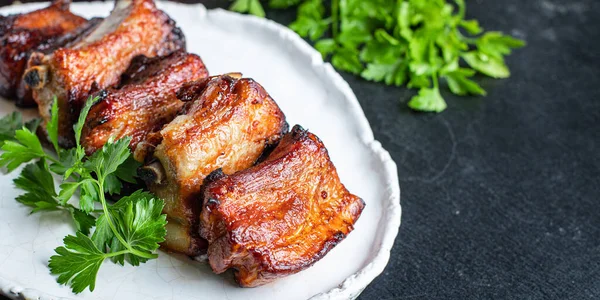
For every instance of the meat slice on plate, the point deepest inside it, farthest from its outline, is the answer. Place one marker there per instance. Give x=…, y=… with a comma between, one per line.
x=144, y=101
x=24, y=94
x=23, y=33
x=96, y=62
x=226, y=123
x=280, y=216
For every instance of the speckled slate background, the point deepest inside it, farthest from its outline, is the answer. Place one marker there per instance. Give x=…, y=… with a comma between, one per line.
x=500, y=195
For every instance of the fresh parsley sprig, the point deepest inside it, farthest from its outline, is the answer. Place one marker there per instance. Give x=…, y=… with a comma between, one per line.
x=130, y=230
x=13, y=122
x=417, y=43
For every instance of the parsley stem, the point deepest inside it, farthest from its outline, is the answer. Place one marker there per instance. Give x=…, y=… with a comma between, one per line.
x=462, y=10
x=468, y=40
x=50, y=158
x=435, y=81
x=112, y=225
x=335, y=9
x=108, y=255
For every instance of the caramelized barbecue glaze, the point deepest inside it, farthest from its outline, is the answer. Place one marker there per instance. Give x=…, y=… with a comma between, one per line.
x=280, y=216
x=144, y=101
x=36, y=56
x=22, y=34
x=134, y=27
x=226, y=123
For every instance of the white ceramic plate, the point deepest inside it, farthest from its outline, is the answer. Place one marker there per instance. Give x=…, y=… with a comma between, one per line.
x=310, y=93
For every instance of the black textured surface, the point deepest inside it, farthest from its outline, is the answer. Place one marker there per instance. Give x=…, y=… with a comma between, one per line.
x=500, y=194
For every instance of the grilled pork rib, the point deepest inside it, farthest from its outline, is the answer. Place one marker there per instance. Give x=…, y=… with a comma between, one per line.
x=280, y=216
x=226, y=123
x=22, y=34
x=134, y=27
x=36, y=56
x=144, y=101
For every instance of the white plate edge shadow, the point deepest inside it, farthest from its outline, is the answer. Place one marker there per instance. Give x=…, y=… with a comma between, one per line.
x=352, y=286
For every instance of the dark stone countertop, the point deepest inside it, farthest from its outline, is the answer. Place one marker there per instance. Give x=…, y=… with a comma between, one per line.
x=501, y=194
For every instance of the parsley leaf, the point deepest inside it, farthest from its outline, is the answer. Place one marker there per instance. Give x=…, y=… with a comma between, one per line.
x=77, y=262
x=26, y=147
x=67, y=190
x=127, y=171
x=313, y=28
x=250, y=6
x=497, y=45
x=38, y=183
x=391, y=74
x=83, y=221
x=78, y=127
x=108, y=159
x=428, y=100
x=486, y=64
x=89, y=194
x=52, y=126
x=8, y=125
x=143, y=227
x=460, y=84
x=347, y=59
x=326, y=47
x=310, y=20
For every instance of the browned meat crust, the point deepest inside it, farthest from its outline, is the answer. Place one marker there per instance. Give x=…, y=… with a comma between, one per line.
x=280, y=216
x=226, y=123
x=134, y=27
x=24, y=93
x=22, y=34
x=144, y=101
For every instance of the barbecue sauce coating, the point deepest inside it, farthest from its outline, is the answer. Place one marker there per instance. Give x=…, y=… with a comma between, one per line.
x=96, y=62
x=280, y=216
x=144, y=101
x=225, y=124
x=22, y=34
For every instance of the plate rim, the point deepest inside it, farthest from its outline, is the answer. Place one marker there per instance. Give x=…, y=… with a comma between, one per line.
x=353, y=285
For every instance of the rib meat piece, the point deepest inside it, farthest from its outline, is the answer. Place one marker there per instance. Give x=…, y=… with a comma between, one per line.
x=96, y=62
x=24, y=94
x=23, y=33
x=280, y=216
x=226, y=123
x=144, y=101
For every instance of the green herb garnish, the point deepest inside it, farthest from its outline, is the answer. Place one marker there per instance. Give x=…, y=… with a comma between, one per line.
x=417, y=43
x=130, y=230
